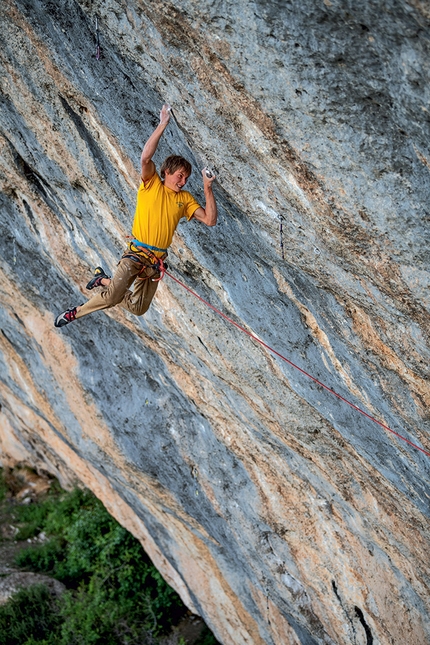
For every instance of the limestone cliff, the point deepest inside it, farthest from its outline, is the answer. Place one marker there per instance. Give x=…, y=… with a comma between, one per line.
x=278, y=512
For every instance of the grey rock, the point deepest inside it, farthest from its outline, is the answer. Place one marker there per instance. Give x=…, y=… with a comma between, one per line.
x=279, y=513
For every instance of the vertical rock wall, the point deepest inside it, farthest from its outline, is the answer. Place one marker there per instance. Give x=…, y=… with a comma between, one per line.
x=278, y=512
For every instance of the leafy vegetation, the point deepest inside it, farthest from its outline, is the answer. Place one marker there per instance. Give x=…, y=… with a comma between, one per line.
x=3, y=489
x=28, y=617
x=114, y=596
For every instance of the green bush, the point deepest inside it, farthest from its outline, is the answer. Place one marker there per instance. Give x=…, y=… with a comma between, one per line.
x=3, y=486
x=115, y=594
x=29, y=617
x=206, y=638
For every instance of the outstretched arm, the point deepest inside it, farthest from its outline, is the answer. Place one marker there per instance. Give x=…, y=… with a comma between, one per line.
x=209, y=214
x=147, y=165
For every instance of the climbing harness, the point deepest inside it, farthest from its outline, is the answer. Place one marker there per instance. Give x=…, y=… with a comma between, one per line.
x=138, y=252
x=138, y=244
x=326, y=387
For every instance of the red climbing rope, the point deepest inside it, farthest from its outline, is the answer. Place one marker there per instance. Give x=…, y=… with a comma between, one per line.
x=254, y=337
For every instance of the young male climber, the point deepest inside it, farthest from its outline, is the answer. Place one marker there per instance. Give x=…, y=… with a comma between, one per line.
x=161, y=203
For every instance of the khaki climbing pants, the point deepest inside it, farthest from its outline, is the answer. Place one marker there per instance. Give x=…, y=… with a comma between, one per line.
x=140, y=271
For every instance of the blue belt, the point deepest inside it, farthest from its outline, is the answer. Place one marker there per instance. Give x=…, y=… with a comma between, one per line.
x=148, y=246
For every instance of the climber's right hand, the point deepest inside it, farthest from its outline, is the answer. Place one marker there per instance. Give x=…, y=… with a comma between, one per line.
x=165, y=114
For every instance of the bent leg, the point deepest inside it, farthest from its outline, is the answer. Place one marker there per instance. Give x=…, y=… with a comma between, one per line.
x=117, y=290
x=138, y=301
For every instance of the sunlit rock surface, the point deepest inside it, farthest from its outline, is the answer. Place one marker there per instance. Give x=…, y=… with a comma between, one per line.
x=278, y=512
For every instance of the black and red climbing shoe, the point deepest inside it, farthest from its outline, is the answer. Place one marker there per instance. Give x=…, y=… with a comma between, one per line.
x=99, y=274
x=66, y=317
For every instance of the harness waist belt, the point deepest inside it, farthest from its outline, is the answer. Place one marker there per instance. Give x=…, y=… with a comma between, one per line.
x=148, y=246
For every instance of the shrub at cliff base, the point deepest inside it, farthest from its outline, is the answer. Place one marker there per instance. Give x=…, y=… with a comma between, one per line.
x=114, y=593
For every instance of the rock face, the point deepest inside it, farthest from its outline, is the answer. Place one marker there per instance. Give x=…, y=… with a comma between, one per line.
x=10, y=583
x=278, y=512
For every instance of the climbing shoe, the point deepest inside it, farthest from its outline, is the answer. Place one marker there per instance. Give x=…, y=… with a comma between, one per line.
x=99, y=274
x=66, y=317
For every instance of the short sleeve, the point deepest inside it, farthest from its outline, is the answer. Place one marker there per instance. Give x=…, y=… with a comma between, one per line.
x=191, y=206
x=151, y=182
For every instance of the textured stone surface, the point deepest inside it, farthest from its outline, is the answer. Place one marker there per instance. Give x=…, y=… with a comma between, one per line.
x=13, y=582
x=279, y=514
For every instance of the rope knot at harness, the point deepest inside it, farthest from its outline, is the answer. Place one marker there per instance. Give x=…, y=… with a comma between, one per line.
x=161, y=268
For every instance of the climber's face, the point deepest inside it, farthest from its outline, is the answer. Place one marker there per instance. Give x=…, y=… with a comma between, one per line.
x=176, y=180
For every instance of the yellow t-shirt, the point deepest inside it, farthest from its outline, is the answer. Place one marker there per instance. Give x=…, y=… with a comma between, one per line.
x=158, y=211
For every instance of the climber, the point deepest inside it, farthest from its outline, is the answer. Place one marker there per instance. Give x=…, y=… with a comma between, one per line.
x=161, y=203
